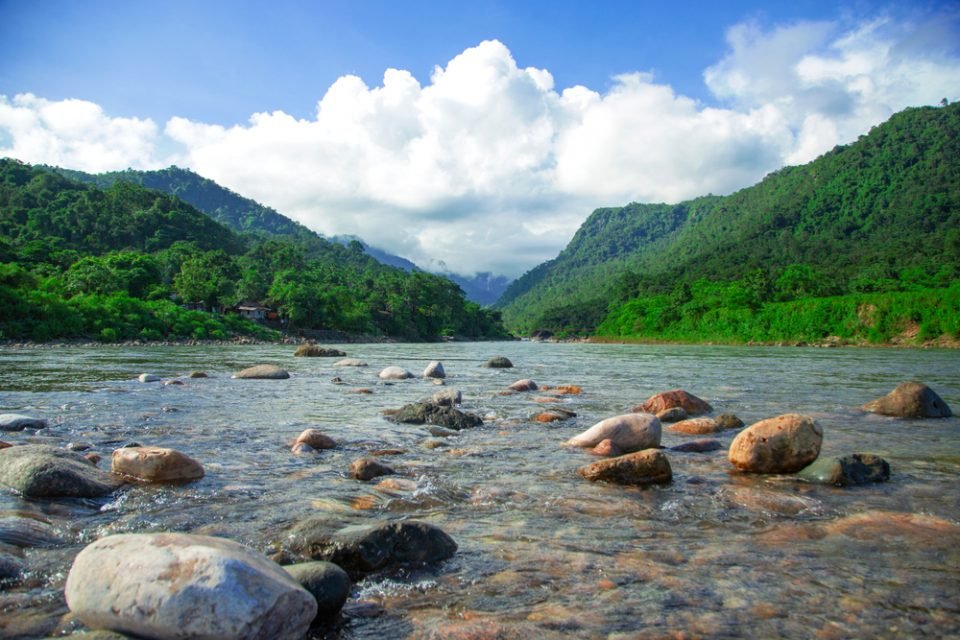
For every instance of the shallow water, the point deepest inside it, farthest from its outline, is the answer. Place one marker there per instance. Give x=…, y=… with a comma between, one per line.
x=542, y=552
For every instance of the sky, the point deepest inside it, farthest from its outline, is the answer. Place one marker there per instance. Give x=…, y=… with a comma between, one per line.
x=472, y=137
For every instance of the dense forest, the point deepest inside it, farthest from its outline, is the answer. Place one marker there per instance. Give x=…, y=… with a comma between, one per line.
x=879, y=217
x=127, y=262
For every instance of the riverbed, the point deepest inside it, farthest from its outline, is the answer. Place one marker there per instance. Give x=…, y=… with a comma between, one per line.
x=543, y=553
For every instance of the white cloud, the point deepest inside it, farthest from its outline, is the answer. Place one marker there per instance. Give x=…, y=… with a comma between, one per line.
x=490, y=167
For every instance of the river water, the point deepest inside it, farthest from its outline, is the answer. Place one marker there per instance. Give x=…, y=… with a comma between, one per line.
x=543, y=553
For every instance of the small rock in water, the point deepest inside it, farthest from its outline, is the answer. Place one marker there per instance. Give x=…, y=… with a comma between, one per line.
x=350, y=362
x=646, y=467
x=197, y=374
x=172, y=383
x=43, y=471
x=19, y=422
x=21, y=531
x=262, y=372
x=434, y=370
x=673, y=414
x=395, y=373
x=10, y=567
x=326, y=582
x=729, y=421
x=629, y=432
x=523, y=385
x=148, y=377
x=698, y=446
x=843, y=471
x=498, y=362
x=315, y=439
x=554, y=415
x=302, y=449
x=155, y=464
x=368, y=469
x=676, y=398
x=78, y=446
x=695, y=426
x=436, y=414
x=93, y=458
x=316, y=351
x=4, y=444
x=785, y=444
x=448, y=397
x=910, y=400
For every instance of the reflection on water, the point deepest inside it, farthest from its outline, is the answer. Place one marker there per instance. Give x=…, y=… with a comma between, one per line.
x=542, y=552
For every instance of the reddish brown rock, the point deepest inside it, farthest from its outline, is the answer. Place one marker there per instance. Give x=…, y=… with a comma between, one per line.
x=690, y=403
x=315, y=439
x=554, y=415
x=695, y=426
x=523, y=385
x=606, y=448
x=155, y=464
x=910, y=400
x=646, y=467
x=784, y=444
x=369, y=468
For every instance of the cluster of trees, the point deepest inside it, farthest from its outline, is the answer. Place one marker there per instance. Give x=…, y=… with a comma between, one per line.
x=881, y=215
x=122, y=262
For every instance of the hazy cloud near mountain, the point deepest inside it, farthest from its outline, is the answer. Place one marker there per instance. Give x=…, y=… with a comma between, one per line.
x=490, y=167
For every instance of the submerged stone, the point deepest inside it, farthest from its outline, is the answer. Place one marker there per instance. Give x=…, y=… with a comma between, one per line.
x=843, y=471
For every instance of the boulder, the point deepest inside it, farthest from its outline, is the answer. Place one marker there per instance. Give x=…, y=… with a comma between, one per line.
x=395, y=373
x=175, y=585
x=436, y=414
x=523, y=385
x=369, y=468
x=326, y=582
x=690, y=403
x=498, y=362
x=262, y=372
x=646, y=467
x=447, y=397
x=673, y=414
x=695, y=426
x=434, y=370
x=698, y=446
x=629, y=432
x=554, y=414
x=843, y=471
x=155, y=464
x=316, y=351
x=148, y=377
x=315, y=439
x=729, y=421
x=19, y=422
x=363, y=549
x=197, y=374
x=784, y=444
x=910, y=400
x=42, y=471
x=350, y=362
x=606, y=448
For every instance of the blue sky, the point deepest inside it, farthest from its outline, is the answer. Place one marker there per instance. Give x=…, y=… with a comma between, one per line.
x=542, y=111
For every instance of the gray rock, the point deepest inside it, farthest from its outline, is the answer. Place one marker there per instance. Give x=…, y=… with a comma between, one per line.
x=148, y=377
x=262, y=372
x=729, y=421
x=523, y=385
x=42, y=471
x=316, y=351
x=174, y=586
x=498, y=362
x=673, y=414
x=19, y=422
x=10, y=568
x=350, y=362
x=447, y=397
x=395, y=373
x=21, y=531
x=910, y=400
x=434, y=370
x=436, y=414
x=844, y=471
x=328, y=583
x=698, y=446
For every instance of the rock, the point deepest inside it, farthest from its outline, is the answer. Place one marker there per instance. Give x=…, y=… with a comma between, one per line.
x=349, y=362
x=19, y=422
x=148, y=377
x=523, y=385
x=606, y=448
x=175, y=585
x=369, y=468
x=629, y=432
x=362, y=391
x=326, y=582
x=42, y=471
x=363, y=549
x=4, y=444
x=695, y=426
x=646, y=467
x=173, y=383
x=843, y=471
x=395, y=373
x=554, y=415
x=434, y=370
x=448, y=397
x=155, y=464
x=315, y=439
x=729, y=421
x=784, y=444
x=10, y=568
x=302, y=449
x=262, y=372
x=441, y=432
x=498, y=362
x=676, y=398
x=436, y=414
x=79, y=446
x=910, y=400
x=316, y=351
x=564, y=390
x=92, y=458
x=698, y=446
x=197, y=374
x=20, y=531
x=673, y=414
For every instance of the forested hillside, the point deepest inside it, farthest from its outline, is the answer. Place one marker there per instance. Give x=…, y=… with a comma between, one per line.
x=122, y=262
x=879, y=215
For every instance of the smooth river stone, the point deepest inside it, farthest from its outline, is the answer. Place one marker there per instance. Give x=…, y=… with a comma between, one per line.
x=43, y=471
x=695, y=426
x=523, y=385
x=350, y=362
x=844, y=471
x=316, y=351
x=395, y=373
x=784, y=444
x=646, y=467
x=629, y=432
x=262, y=372
x=155, y=464
x=19, y=422
x=434, y=370
x=328, y=583
x=910, y=400
x=660, y=402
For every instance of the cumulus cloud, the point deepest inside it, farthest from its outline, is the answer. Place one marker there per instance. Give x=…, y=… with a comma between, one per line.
x=489, y=166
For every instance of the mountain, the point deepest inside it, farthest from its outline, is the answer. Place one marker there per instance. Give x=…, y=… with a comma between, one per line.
x=874, y=215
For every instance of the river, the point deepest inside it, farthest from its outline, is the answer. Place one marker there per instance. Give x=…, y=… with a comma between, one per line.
x=543, y=553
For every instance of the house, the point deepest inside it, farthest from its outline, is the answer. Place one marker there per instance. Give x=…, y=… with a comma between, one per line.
x=253, y=311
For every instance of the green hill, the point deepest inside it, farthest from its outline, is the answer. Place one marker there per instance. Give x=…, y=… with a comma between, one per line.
x=879, y=215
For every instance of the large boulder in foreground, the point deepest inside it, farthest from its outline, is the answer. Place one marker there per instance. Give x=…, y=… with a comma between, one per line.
x=784, y=444
x=910, y=400
x=42, y=471
x=437, y=414
x=262, y=372
x=176, y=585
x=646, y=467
x=844, y=471
x=629, y=432
x=685, y=400
x=19, y=422
x=155, y=464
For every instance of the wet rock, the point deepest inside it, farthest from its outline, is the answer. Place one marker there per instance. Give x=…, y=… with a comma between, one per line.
x=21, y=531
x=362, y=391
x=729, y=421
x=262, y=372
x=79, y=446
x=436, y=414
x=301, y=449
x=434, y=370
x=606, y=448
x=646, y=467
x=316, y=351
x=448, y=397
x=173, y=383
x=784, y=444
x=698, y=446
x=42, y=471
x=148, y=377
x=397, y=484
x=395, y=373
x=197, y=374
x=155, y=464
x=564, y=390
x=350, y=362
x=555, y=414
x=92, y=458
x=695, y=426
x=876, y=526
x=673, y=414
x=326, y=582
x=523, y=385
x=315, y=439
x=498, y=362
x=10, y=568
x=690, y=403
x=843, y=471
x=441, y=432
x=4, y=444
x=765, y=500
x=369, y=468
x=19, y=422
x=910, y=400
x=629, y=432
x=363, y=549
x=175, y=585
